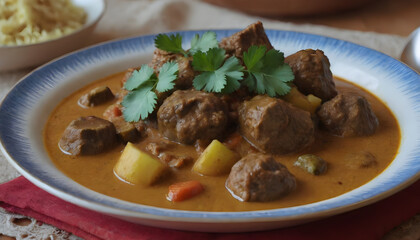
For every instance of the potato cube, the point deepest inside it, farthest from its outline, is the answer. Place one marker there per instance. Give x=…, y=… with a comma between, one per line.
x=216, y=159
x=308, y=103
x=138, y=167
x=315, y=101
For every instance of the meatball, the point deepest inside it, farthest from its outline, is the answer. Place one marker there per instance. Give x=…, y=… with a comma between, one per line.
x=239, y=42
x=88, y=135
x=185, y=73
x=190, y=115
x=348, y=114
x=274, y=126
x=259, y=177
x=312, y=73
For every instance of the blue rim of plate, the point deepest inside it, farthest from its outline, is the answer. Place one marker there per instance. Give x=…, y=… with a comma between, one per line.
x=16, y=146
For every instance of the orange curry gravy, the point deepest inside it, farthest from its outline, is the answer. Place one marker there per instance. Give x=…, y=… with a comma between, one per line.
x=96, y=172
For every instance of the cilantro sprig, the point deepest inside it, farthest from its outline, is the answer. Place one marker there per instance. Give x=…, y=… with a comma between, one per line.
x=264, y=72
x=267, y=72
x=207, y=41
x=217, y=75
x=142, y=84
x=173, y=43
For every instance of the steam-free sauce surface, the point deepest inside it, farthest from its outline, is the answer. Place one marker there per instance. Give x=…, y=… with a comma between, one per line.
x=96, y=172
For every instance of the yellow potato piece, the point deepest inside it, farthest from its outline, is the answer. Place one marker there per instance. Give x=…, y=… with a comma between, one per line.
x=314, y=101
x=308, y=103
x=216, y=159
x=138, y=167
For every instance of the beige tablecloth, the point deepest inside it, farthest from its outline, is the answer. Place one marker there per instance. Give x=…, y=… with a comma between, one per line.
x=124, y=18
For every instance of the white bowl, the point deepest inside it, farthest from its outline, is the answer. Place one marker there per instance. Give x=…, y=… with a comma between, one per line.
x=29, y=55
x=25, y=110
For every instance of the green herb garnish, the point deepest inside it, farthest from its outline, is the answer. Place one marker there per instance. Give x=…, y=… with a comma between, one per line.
x=142, y=84
x=267, y=72
x=217, y=75
x=173, y=43
x=203, y=43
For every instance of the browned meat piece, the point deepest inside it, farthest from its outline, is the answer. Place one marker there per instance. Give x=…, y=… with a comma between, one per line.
x=88, y=135
x=157, y=148
x=274, y=126
x=348, y=114
x=160, y=150
x=233, y=101
x=239, y=42
x=175, y=161
x=127, y=131
x=312, y=73
x=259, y=177
x=360, y=160
x=189, y=115
x=96, y=97
x=186, y=72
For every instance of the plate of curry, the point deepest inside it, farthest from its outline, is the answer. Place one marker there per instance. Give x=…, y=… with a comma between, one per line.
x=243, y=130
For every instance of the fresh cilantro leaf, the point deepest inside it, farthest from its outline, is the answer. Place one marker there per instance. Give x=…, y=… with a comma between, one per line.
x=167, y=74
x=214, y=76
x=234, y=72
x=252, y=57
x=141, y=98
x=210, y=82
x=208, y=61
x=139, y=77
x=207, y=41
x=267, y=72
x=171, y=43
x=139, y=103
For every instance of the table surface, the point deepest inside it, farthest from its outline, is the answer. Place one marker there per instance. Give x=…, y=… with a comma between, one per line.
x=398, y=17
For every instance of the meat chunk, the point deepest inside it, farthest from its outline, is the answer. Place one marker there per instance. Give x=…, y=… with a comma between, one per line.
x=127, y=131
x=312, y=73
x=88, y=135
x=96, y=97
x=348, y=114
x=275, y=126
x=259, y=177
x=160, y=150
x=189, y=115
x=185, y=73
x=239, y=42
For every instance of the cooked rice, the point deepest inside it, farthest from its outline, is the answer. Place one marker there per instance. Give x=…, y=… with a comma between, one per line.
x=32, y=21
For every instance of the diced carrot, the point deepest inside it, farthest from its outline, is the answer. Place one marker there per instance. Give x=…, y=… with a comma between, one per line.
x=233, y=140
x=184, y=190
x=112, y=111
x=117, y=111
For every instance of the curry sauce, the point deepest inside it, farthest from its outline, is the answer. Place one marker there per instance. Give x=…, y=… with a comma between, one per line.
x=96, y=171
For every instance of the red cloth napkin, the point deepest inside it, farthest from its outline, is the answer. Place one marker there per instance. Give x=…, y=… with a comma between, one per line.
x=370, y=222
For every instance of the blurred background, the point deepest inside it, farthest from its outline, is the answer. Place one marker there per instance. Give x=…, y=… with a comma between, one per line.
x=399, y=17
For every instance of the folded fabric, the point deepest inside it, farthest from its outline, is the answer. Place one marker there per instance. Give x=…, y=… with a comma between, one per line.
x=370, y=222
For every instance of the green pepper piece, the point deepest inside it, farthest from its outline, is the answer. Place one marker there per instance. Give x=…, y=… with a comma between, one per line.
x=311, y=163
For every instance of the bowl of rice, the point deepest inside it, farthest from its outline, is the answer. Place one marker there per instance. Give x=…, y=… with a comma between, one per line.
x=33, y=32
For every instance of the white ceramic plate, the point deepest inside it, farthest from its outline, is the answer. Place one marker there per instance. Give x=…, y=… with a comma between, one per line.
x=23, y=56
x=25, y=110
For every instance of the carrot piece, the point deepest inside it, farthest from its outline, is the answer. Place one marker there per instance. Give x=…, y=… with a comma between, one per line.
x=184, y=190
x=233, y=140
x=111, y=112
